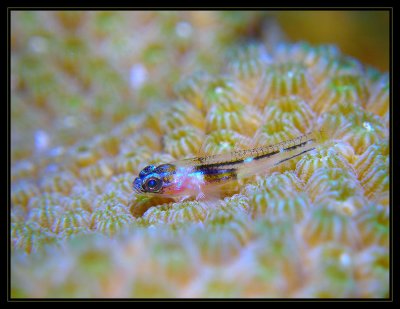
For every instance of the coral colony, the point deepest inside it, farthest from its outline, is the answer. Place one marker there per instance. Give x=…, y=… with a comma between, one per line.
x=91, y=108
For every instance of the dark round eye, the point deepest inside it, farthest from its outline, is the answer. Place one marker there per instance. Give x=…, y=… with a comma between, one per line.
x=153, y=184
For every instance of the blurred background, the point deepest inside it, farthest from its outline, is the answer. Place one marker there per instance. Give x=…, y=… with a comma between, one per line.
x=67, y=66
x=361, y=34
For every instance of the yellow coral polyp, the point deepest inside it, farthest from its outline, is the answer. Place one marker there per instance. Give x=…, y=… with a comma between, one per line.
x=183, y=142
x=323, y=157
x=145, y=138
x=336, y=188
x=372, y=272
x=291, y=109
x=223, y=248
x=22, y=192
x=335, y=264
x=248, y=64
x=233, y=116
x=249, y=61
x=274, y=207
x=81, y=201
x=376, y=181
x=378, y=102
x=192, y=211
x=275, y=131
x=192, y=89
x=328, y=180
x=321, y=61
x=102, y=169
x=377, y=154
x=83, y=156
x=283, y=80
x=267, y=199
x=236, y=223
x=224, y=141
x=288, y=180
x=235, y=203
x=183, y=114
x=362, y=131
x=372, y=169
x=339, y=115
x=71, y=220
x=130, y=161
x=60, y=182
x=29, y=237
x=373, y=225
x=346, y=150
x=221, y=90
x=45, y=216
x=342, y=88
x=111, y=219
x=325, y=224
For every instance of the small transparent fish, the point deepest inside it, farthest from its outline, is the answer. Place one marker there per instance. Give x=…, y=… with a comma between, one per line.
x=202, y=176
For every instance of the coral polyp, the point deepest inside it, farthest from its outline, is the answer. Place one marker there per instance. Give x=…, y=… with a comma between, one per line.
x=110, y=219
x=223, y=141
x=378, y=102
x=183, y=142
x=71, y=220
x=192, y=89
x=372, y=272
x=324, y=224
x=234, y=116
x=274, y=131
x=323, y=157
x=183, y=114
x=292, y=109
x=192, y=211
x=337, y=188
x=334, y=263
x=342, y=88
x=222, y=89
x=96, y=97
x=271, y=205
x=46, y=216
x=373, y=224
x=284, y=80
x=362, y=131
x=22, y=193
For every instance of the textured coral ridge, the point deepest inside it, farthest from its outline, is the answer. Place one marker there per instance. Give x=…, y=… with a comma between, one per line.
x=317, y=226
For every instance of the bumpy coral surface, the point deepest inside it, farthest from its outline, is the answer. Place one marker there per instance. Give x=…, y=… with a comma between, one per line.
x=92, y=104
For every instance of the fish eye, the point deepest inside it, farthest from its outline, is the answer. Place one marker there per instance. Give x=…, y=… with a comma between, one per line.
x=153, y=184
